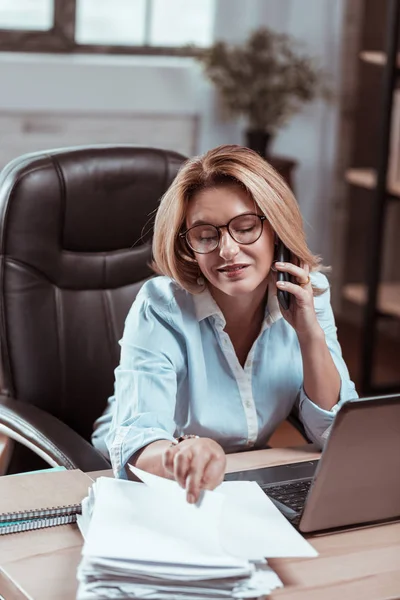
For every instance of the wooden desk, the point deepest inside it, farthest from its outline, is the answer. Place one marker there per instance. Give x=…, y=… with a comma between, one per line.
x=354, y=565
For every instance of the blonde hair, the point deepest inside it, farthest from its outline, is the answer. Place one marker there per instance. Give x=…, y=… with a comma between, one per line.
x=225, y=165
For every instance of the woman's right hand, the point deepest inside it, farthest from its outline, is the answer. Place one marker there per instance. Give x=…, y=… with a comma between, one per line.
x=196, y=464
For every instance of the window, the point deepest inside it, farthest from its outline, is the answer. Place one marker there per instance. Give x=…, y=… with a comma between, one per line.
x=116, y=26
x=26, y=14
x=118, y=22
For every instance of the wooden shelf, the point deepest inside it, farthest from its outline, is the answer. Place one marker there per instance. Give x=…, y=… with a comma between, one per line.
x=388, y=296
x=366, y=178
x=376, y=58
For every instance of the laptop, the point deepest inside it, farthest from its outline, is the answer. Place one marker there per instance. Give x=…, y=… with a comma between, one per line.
x=356, y=482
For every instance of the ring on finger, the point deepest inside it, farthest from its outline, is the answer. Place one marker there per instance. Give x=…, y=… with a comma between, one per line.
x=304, y=283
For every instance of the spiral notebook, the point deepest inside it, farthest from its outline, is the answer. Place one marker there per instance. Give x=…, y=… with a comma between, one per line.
x=38, y=500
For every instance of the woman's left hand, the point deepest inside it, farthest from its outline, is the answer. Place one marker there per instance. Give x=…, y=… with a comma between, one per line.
x=301, y=314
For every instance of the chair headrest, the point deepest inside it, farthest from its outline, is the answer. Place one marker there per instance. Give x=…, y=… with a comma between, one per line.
x=97, y=200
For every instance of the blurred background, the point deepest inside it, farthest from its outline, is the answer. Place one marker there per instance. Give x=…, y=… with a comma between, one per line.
x=311, y=84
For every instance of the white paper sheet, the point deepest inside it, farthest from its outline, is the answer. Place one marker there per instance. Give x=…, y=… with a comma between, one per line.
x=269, y=533
x=169, y=572
x=131, y=522
x=251, y=526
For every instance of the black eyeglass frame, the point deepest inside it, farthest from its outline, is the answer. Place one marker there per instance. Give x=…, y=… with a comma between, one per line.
x=219, y=227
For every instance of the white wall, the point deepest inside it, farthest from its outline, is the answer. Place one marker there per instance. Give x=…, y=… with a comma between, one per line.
x=311, y=137
x=53, y=101
x=171, y=97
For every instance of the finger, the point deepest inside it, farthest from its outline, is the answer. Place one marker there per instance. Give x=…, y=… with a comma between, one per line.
x=300, y=273
x=213, y=473
x=195, y=475
x=182, y=463
x=306, y=267
x=302, y=294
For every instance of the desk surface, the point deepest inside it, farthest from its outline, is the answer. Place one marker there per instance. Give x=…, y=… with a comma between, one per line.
x=359, y=564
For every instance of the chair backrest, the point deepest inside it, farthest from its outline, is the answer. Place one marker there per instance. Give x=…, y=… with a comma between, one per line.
x=73, y=257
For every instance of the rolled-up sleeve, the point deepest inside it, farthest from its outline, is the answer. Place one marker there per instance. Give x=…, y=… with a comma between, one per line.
x=317, y=421
x=145, y=385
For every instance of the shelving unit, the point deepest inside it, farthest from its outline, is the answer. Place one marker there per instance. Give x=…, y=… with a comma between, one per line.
x=377, y=58
x=367, y=178
x=379, y=299
x=388, y=297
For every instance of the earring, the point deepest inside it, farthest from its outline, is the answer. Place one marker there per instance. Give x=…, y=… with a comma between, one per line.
x=200, y=280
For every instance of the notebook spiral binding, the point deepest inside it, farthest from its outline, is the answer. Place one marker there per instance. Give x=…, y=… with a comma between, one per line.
x=56, y=511
x=37, y=524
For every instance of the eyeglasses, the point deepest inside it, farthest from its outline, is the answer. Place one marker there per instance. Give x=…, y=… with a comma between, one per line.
x=244, y=229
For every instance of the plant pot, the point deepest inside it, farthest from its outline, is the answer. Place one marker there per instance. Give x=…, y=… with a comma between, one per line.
x=258, y=140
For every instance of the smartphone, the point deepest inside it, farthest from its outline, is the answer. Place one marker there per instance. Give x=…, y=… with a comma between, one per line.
x=283, y=255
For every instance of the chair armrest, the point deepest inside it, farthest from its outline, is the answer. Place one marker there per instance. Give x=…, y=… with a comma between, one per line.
x=6, y=446
x=48, y=437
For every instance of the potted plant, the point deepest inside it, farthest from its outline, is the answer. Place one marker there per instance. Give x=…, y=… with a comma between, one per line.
x=266, y=79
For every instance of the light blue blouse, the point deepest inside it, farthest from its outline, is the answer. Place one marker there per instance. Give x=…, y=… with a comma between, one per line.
x=179, y=374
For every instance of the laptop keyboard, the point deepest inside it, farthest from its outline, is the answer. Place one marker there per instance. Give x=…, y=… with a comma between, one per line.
x=292, y=494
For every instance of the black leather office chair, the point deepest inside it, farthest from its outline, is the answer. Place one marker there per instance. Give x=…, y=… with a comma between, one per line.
x=72, y=260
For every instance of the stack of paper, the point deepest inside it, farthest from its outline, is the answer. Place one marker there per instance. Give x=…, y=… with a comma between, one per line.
x=146, y=541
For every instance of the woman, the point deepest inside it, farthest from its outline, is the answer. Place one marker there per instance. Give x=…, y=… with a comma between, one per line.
x=210, y=364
